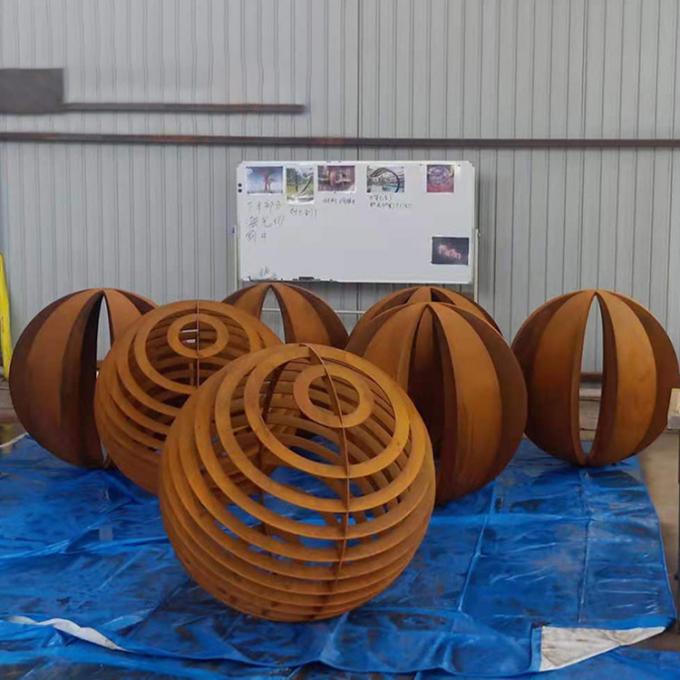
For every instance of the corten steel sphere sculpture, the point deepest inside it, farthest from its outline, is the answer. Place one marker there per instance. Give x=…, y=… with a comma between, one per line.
x=327, y=522
x=639, y=371
x=422, y=294
x=306, y=317
x=153, y=369
x=464, y=381
x=54, y=370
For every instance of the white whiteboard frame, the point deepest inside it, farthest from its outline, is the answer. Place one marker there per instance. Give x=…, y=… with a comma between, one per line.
x=242, y=196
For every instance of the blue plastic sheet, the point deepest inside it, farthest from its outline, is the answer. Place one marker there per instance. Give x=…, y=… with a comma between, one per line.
x=546, y=544
x=82, y=661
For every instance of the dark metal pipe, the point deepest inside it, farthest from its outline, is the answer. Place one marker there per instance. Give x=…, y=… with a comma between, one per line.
x=336, y=142
x=169, y=107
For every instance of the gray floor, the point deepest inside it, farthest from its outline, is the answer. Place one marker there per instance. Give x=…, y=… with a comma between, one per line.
x=660, y=466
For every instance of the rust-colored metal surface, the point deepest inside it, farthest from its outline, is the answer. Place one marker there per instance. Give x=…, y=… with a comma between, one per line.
x=306, y=317
x=639, y=371
x=54, y=370
x=464, y=381
x=418, y=294
x=356, y=505
x=153, y=369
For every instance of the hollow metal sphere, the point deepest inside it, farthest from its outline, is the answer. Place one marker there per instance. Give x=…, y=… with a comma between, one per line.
x=640, y=369
x=464, y=381
x=297, y=483
x=153, y=369
x=54, y=370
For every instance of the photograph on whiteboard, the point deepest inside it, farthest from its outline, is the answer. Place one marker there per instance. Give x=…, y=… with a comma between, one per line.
x=440, y=179
x=337, y=177
x=264, y=179
x=450, y=250
x=300, y=184
x=385, y=178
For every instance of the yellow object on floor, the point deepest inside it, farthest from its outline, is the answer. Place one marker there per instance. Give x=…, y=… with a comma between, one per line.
x=5, y=331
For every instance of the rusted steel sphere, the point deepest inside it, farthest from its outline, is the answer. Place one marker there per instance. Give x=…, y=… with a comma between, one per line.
x=422, y=294
x=464, y=380
x=639, y=371
x=153, y=369
x=341, y=483
x=306, y=317
x=54, y=370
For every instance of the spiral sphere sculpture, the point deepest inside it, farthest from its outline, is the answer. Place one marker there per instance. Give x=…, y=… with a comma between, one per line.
x=341, y=483
x=306, y=317
x=54, y=370
x=640, y=369
x=464, y=381
x=153, y=369
x=418, y=294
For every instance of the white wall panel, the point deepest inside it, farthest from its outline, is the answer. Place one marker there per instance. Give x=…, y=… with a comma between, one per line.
x=158, y=219
x=550, y=220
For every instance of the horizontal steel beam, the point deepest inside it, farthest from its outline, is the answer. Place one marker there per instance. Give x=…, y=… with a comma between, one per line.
x=338, y=142
x=170, y=107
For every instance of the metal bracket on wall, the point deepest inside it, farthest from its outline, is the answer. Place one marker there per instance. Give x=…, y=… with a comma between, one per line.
x=38, y=91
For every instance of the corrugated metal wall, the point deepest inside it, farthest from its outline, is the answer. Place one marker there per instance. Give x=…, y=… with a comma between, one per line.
x=157, y=219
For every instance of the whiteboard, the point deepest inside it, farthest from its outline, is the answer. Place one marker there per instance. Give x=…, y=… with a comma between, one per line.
x=356, y=221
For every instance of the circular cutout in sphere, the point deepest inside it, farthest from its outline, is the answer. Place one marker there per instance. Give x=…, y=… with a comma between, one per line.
x=639, y=372
x=306, y=317
x=155, y=367
x=54, y=370
x=464, y=381
x=418, y=294
x=340, y=483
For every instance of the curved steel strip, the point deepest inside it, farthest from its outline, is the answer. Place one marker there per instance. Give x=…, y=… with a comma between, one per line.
x=306, y=317
x=418, y=294
x=629, y=386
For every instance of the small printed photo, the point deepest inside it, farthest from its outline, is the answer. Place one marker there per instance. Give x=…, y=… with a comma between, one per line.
x=336, y=177
x=300, y=184
x=385, y=178
x=264, y=179
x=450, y=250
x=440, y=179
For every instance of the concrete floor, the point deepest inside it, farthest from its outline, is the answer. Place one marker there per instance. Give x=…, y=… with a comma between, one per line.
x=660, y=467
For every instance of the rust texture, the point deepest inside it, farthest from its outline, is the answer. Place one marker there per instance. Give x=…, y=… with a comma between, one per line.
x=54, y=370
x=153, y=369
x=464, y=380
x=639, y=371
x=422, y=294
x=345, y=536
x=306, y=317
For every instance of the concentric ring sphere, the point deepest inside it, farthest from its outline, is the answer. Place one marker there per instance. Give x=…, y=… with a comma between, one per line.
x=153, y=369
x=340, y=483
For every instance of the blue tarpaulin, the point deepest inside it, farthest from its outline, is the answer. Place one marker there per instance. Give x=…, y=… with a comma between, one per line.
x=502, y=581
